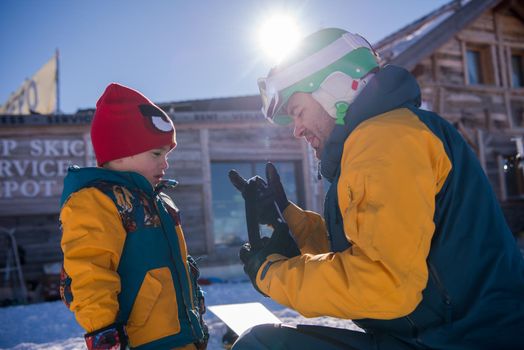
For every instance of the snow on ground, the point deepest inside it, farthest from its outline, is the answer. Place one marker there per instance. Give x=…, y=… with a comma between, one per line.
x=51, y=326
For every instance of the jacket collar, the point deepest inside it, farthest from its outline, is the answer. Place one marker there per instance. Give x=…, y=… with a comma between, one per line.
x=392, y=87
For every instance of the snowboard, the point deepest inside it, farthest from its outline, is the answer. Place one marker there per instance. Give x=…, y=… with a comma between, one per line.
x=241, y=317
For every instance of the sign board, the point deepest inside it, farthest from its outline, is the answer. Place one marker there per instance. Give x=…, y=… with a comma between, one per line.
x=32, y=168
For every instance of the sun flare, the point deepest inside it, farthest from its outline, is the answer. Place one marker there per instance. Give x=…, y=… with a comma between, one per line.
x=278, y=35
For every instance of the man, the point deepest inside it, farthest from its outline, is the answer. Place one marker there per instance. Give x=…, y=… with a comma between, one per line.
x=414, y=247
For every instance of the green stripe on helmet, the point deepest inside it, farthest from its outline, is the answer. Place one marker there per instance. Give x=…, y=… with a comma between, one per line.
x=356, y=64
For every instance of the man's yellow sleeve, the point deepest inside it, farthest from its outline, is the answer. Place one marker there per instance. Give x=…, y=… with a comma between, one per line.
x=308, y=229
x=92, y=241
x=391, y=170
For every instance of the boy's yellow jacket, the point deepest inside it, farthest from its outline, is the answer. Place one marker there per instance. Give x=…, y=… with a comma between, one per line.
x=125, y=260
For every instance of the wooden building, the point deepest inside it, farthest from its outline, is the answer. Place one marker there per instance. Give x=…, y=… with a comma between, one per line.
x=213, y=136
x=468, y=57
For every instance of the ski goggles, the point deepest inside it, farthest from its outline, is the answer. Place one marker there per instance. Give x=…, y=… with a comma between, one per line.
x=272, y=87
x=270, y=99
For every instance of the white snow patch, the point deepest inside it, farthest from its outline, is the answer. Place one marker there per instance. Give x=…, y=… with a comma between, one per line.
x=51, y=326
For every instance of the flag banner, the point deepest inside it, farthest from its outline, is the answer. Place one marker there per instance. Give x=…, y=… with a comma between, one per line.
x=37, y=94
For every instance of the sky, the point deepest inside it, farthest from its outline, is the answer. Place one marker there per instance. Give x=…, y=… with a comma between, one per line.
x=170, y=50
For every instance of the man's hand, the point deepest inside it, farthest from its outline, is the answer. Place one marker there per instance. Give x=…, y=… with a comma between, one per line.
x=265, y=203
x=112, y=337
x=281, y=242
x=275, y=188
x=271, y=199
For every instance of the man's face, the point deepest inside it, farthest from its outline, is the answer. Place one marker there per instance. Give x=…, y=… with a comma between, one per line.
x=151, y=164
x=311, y=121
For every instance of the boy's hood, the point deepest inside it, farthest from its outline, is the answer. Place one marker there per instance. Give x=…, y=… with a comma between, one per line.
x=78, y=178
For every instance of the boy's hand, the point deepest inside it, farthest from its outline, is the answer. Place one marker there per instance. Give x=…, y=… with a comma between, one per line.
x=195, y=275
x=112, y=337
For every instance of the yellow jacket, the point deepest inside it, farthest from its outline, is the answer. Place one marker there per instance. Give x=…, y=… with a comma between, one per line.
x=94, y=241
x=391, y=170
x=432, y=261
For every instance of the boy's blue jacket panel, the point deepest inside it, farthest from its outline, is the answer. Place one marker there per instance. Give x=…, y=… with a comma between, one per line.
x=125, y=256
x=414, y=242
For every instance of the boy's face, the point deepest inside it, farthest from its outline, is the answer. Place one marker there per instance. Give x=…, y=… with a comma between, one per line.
x=151, y=164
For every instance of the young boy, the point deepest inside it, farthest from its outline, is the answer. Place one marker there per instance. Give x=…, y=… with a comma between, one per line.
x=126, y=274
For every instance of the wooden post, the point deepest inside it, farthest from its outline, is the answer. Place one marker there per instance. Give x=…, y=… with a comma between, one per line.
x=440, y=101
x=502, y=178
x=507, y=105
x=501, y=54
x=206, y=191
x=435, y=73
x=464, y=61
x=482, y=150
x=496, y=72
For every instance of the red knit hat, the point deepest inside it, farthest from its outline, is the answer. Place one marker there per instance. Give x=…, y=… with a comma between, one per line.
x=128, y=123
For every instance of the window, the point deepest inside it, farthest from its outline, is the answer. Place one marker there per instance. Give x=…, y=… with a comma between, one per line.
x=479, y=65
x=517, y=113
x=229, y=218
x=517, y=70
x=474, y=72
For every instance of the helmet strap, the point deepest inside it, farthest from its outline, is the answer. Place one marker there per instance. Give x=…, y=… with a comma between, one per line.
x=342, y=108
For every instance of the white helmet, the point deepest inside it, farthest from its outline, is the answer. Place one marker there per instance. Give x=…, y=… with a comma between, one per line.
x=331, y=64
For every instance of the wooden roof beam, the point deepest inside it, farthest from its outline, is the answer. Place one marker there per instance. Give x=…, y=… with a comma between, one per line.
x=442, y=33
x=518, y=8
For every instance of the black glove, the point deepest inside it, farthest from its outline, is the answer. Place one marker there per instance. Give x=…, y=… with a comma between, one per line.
x=200, y=300
x=267, y=194
x=112, y=337
x=195, y=275
x=281, y=242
